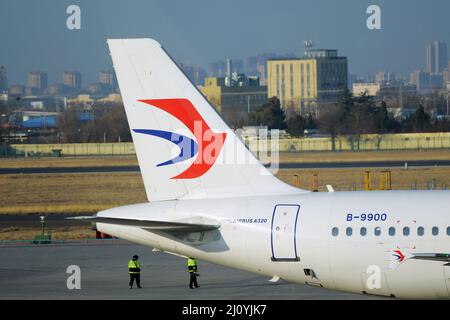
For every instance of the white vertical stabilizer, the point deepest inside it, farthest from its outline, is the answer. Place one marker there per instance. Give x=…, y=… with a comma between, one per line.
x=185, y=150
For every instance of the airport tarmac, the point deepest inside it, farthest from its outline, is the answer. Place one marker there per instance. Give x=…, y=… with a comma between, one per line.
x=39, y=272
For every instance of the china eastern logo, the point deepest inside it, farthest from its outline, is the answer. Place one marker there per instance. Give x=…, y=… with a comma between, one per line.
x=398, y=255
x=207, y=144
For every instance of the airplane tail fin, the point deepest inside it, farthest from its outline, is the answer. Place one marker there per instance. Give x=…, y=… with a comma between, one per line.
x=185, y=150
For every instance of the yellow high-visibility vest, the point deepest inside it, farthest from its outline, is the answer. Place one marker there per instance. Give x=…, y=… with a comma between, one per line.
x=192, y=265
x=134, y=266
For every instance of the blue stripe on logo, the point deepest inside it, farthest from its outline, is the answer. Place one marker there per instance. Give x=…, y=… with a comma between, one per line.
x=188, y=147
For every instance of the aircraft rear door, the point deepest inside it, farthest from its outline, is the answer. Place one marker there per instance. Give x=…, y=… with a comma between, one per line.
x=283, y=233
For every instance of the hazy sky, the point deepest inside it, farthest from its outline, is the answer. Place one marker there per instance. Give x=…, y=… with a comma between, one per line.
x=34, y=35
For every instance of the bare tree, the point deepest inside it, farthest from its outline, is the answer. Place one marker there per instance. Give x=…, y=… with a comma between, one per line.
x=332, y=121
x=69, y=127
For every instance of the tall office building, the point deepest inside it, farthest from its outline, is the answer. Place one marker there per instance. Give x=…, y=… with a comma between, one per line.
x=196, y=74
x=436, y=57
x=108, y=79
x=229, y=67
x=421, y=80
x=447, y=74
x=72, y=79
x=302, y=84
x=37, y=81
x=217, y=69
x=3, y=79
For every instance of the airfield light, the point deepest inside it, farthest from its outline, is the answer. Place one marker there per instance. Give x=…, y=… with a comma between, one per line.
x=43, y=224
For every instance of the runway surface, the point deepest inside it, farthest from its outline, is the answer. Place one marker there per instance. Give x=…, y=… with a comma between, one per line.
x=39, y=272
x=285, y=165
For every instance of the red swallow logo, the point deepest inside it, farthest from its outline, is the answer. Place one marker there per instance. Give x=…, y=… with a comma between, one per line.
x=399, y=256
x=209, y=143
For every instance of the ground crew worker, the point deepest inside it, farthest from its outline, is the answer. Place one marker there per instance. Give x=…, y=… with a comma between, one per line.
x=134, y=268
x=192, y=268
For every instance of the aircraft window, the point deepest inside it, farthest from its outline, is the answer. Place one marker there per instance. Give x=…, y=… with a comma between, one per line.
x=363, y=231
x=392, y=231
x=448, y=231
x=406, y=231
x=349, y=231
x=420, y=231
x=335, y=232
x=377, y=231
x=435, y=231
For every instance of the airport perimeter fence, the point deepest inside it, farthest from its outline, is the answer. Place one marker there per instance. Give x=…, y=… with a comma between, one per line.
x=68, y=149
x=370, y=142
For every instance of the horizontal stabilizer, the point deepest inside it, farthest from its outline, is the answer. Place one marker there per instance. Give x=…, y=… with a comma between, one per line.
x=150, y=224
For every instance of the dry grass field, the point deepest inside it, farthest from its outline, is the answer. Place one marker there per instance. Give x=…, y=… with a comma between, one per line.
x=68, y=193
x=87, y=193
x=353, y=179
x=79, y=193
x=68, y=233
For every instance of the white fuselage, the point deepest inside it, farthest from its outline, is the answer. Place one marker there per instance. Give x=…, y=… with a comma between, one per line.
x=291, y=237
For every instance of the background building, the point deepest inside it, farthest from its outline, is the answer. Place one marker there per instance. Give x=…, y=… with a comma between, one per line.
x=437, y=69
x=447, y=73
x=302, y=84
x=16, y=90
x=421, y=80
x=245, y=95
x=108, y=80
x=72, y=80
x=195, y=74
x=57, y=89
x=370, y=89
x=37, y=82
x=436, y=57
x=385, y=78
x=3, y=79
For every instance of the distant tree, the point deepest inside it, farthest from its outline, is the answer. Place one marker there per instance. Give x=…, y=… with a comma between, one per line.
x=382, y=118
x=346, y=100
x=108, y=124
x=441, y=125
x=115, y=125
x=296, y=125
x=311, y=122
x=385, y=121
x=69, y=127
x=331, y=121
x=419, y=121
x=235, y=119
x=269, y=114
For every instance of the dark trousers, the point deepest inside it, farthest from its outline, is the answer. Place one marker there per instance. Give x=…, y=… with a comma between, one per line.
x=136, y=276
x=193, y=279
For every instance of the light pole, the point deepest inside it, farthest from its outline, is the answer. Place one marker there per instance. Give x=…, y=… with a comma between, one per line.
x=43, y=224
